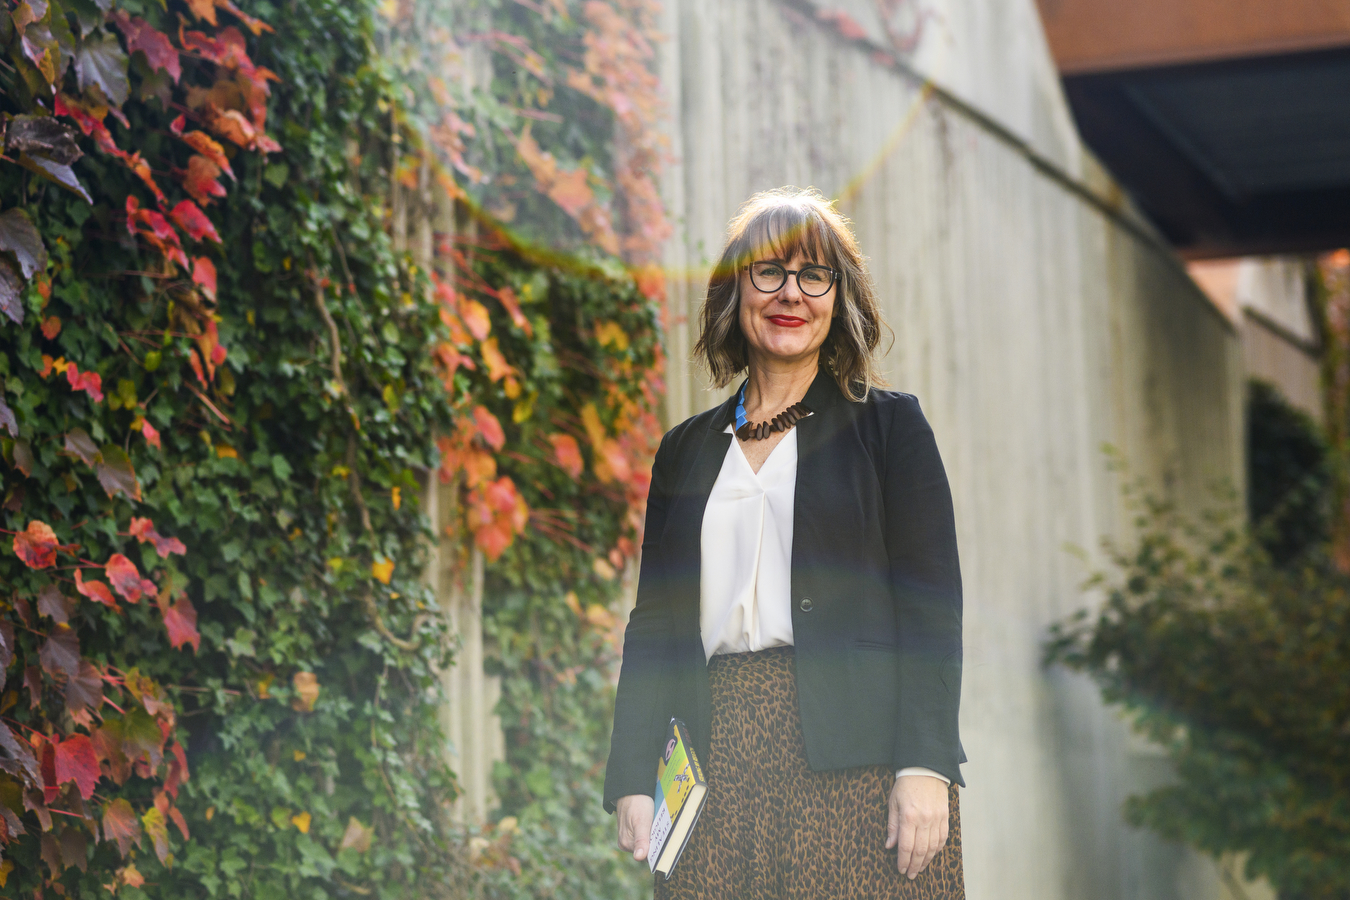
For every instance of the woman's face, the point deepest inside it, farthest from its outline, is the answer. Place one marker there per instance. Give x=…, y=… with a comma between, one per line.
x=786, y=325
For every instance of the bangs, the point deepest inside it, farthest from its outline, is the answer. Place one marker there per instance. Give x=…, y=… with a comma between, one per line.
x=783, y=230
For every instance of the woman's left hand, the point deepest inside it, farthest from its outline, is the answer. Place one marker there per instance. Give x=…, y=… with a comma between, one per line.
x=917, y=826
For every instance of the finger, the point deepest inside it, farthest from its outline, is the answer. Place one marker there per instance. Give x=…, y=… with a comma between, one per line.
x=892, y=826
x=918, y=854
x=934, y=845
x=905, y=847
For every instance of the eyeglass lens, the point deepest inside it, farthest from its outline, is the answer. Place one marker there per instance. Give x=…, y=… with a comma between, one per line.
x=812, y=280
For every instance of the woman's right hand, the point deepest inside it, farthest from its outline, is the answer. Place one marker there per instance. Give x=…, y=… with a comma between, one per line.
x=634, y=814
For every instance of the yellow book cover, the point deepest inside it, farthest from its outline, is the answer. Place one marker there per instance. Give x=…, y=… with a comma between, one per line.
x=680, y=793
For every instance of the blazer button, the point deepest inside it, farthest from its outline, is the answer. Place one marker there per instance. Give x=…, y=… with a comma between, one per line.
x=806, y=604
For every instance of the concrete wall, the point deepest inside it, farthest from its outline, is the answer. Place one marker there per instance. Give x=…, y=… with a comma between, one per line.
x=1035, y=318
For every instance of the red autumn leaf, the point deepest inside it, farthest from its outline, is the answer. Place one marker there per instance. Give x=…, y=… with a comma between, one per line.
x=192, y=220
x=180, y=620
x=121, y=825
x=149, y=431
x=126, y=579
x=158, y=50
x=176, y=126
x=143, y=530
x=51, y=327
x=94, y=590
x=204, y=276
x=89, y=382
x=196, y=363
x=156, y=230
x=60, y=653
x=567, y=454
x=508, y=299
x=489, y=427
x=204, y=144
x=77, y=762
x=200, y=180
x=177, y=817
x=37, y=545
x=493, y=539
x=178, y=772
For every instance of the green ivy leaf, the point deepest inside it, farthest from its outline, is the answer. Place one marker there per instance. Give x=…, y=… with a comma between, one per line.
x=100, y=62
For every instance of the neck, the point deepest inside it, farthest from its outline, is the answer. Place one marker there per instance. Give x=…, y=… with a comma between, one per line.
x=775, y=385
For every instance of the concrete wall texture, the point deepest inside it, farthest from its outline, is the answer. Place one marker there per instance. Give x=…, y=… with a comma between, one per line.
x=1036, y=317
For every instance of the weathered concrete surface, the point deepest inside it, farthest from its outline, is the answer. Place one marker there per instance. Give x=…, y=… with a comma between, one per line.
x=1035, y=318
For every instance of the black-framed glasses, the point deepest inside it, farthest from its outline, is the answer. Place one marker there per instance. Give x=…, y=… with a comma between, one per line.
x=813, y=281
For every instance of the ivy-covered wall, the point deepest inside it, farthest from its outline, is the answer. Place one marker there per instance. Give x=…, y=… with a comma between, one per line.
x=224, y=395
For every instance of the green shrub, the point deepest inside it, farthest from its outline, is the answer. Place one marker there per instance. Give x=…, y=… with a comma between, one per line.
x=1240, y=668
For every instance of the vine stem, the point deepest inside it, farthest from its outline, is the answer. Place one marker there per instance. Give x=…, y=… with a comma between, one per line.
x=353, y=477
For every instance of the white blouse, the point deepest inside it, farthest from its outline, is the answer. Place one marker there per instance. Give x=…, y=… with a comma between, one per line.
x=745, y=582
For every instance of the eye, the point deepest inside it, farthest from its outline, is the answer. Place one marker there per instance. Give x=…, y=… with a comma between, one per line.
x=768, y=270
x=815, y=276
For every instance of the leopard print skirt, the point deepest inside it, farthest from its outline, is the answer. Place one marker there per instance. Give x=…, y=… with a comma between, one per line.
x=773, y=829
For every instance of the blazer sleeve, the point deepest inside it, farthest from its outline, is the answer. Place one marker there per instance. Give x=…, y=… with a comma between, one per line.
x=925, y=575
x=638, y=733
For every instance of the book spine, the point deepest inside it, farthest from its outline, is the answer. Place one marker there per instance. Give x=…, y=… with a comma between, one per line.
x=690, y=754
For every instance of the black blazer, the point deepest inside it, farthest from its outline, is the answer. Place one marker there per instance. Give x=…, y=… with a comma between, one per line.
x=876, y=593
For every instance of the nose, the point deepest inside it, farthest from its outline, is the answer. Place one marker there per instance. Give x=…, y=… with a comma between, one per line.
x=791, y=291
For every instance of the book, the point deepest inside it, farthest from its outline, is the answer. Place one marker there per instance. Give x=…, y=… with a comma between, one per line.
x=680, y=794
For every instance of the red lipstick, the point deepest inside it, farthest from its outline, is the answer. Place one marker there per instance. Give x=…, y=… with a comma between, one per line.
x=787, y=321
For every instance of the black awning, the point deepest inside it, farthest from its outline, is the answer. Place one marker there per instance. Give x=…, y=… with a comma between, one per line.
x=1236, y=157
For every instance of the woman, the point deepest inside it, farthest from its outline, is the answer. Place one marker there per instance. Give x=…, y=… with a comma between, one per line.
x=799, y=604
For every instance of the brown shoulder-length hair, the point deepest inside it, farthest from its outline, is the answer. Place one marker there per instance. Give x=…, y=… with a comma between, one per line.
x=778, y=224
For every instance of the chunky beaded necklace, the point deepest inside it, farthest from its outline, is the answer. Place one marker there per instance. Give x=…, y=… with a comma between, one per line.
x=749, y=431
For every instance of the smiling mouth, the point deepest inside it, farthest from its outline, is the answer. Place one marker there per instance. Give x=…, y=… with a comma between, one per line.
x=787, y=321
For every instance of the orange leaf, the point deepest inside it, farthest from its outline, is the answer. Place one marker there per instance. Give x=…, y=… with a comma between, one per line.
x=143, y=530
x=489, y=427
x=126, y=579
x=203, y=9
x=209, y=148
x=94, y=590
x=257, y=26
x=180, y=620
x=508, y=299
x=200, y=179
x=498, y=367
x=37, y=545
x=51, y=327
x=306, y=691
x=567, y=454
x=77, y=762
x=476, y=319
